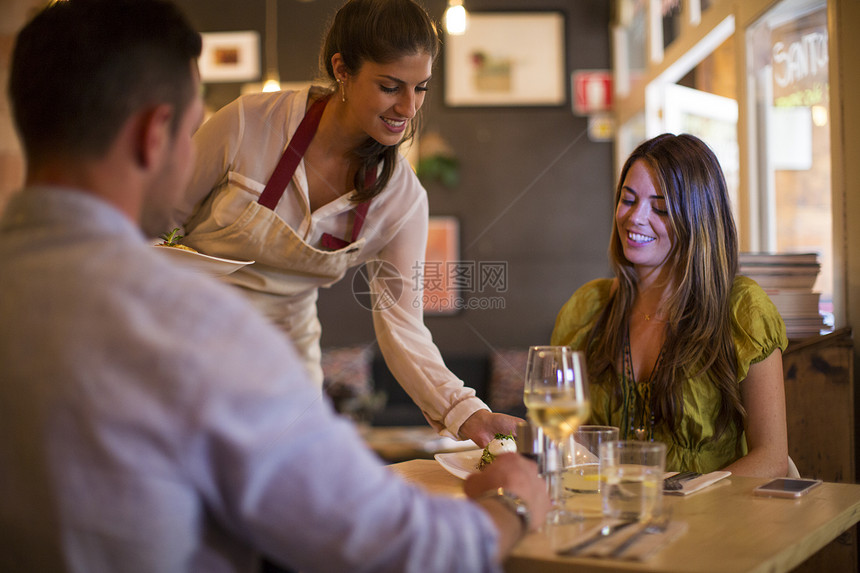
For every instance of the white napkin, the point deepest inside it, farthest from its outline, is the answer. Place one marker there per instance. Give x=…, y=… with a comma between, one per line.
x=699, y=483
x=582, y=455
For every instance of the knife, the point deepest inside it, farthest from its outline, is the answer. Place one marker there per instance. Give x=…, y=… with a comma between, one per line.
x=659, y=525
x=602, y=533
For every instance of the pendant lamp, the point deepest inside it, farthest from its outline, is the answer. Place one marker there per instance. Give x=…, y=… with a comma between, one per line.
x=456, y=18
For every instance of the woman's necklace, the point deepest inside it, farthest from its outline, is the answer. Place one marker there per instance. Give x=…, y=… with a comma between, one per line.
x=656, y=304
x=640, y=407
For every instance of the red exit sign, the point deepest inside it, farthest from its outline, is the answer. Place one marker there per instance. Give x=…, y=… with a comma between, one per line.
x=592, y=91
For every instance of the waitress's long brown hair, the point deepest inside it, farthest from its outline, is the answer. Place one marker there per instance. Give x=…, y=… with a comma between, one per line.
x=704, y=258
x=379, y=31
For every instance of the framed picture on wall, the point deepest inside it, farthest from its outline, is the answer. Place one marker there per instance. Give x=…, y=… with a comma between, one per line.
x=442, y=269
x=507, y=59
x=230, y=57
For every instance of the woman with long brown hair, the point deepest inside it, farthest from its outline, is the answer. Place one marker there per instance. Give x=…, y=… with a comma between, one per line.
x=680, y=348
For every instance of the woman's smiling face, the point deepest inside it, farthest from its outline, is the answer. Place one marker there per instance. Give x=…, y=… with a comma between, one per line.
x=383, y=98
x=642, y=220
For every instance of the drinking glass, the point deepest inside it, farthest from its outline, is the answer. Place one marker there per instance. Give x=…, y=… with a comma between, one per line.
x=556, y=396
x=582, y=470
x=634, y=479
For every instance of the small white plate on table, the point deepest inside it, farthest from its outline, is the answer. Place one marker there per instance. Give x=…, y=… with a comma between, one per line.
x=460, y=464
x=204, y=264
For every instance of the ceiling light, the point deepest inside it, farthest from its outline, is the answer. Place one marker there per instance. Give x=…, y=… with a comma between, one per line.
x=273, y=76
x=272, y=85
x=456, y=18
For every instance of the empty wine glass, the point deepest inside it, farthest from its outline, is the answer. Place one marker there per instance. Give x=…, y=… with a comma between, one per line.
x=556, y=396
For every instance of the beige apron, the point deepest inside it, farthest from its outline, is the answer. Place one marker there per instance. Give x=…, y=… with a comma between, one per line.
x=284, y=280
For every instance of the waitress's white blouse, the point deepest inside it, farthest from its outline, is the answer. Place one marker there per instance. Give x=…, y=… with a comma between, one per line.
x=245, y=141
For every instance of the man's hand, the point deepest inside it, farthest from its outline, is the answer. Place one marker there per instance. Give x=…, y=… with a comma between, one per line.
x=516, y=474
x=482, y=426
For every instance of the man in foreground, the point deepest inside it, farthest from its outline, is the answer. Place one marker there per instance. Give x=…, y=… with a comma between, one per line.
x=150, y=420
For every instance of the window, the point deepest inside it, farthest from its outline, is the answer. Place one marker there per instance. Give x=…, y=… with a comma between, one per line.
x=787, y=71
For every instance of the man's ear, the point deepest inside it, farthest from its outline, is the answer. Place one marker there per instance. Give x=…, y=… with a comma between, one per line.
x=154, y=135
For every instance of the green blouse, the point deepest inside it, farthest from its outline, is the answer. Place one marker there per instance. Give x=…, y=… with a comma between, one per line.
x=757, y=330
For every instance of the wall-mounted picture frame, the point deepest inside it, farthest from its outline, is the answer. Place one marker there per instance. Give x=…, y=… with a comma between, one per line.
x=442, y=267
x=230, y=57
x=507, y=59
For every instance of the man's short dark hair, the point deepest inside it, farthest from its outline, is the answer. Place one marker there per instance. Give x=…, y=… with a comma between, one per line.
x=81, y=68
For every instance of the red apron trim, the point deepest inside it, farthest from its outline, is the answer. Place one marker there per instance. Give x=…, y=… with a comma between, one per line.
x=288, y=163
x=336, y=243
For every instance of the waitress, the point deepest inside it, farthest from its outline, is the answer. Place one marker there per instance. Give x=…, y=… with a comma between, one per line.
x=310, y=183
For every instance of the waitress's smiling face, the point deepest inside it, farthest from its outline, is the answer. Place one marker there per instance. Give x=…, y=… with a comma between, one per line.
x=642, y=220
x=381, y=99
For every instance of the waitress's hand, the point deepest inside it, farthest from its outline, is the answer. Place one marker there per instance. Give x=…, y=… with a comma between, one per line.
x=483, y=425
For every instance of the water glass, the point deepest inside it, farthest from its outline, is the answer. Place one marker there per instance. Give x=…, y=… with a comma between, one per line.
x=582, y=470
x=633, y=474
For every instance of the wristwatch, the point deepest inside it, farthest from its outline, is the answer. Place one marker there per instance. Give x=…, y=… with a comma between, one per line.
x=513, y=502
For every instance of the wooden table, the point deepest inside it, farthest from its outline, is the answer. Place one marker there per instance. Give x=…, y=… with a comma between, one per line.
x=730, y=530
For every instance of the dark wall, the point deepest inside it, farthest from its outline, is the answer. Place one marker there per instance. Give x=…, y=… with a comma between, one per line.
x=534, y=192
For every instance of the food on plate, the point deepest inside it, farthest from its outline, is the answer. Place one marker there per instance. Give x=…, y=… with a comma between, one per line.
x=172, y=240
x=501, y=444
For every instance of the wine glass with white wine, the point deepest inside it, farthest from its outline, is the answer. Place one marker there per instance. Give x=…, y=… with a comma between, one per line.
x=556, y=396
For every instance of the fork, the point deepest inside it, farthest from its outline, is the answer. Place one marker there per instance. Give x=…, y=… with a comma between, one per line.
x=657, y=525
